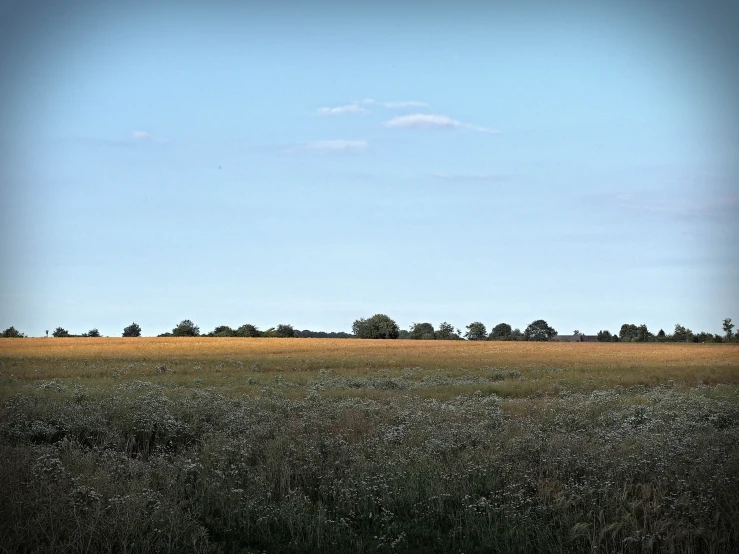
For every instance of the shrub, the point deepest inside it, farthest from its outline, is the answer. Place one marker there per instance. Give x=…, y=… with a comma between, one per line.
x=60, y=332
x=186, y=328
x=12, y=333
x=422, y=331
x=248, y=330
x=132, y=330
x=502, y=331
x=285, y=331
x=379, y=326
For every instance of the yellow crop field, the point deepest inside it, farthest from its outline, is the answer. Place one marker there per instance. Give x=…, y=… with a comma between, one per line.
x=525, y=367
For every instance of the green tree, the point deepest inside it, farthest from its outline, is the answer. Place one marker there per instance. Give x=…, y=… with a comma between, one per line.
x=476, y=331
x=682, y=334
x=728, y=326
x=132, y=330
x=379, y=326
x=285, y=331
x=60, y=332
x=248, y=330
x=516, y=334
x=12, y=333
x=539, y=330
x=93, y=333
x=422, y=331
x=186, y=328
x=628, y=332
x=222, y=331
x=604, y=336
x=446, y=332
x=502, y=331
x=404, y=334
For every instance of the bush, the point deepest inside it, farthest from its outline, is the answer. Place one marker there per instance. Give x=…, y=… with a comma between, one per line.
x=422, y=331
x=379, y=326
x=132, y=330
x=60, y=332
x=222, y=331
x=285, y=331
x=12, y=333
x=248, y=330
x=94, y=333
x=446, y=332
x=604, y=336
x=186, y=328
x=502, y=331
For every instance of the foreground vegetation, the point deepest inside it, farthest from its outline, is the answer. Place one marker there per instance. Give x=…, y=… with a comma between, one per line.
x=300, y=445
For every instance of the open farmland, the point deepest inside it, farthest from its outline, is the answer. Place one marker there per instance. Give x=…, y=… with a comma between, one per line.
x=315, y=445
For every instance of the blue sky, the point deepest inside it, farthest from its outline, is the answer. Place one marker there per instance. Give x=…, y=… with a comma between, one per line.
x=314, y=164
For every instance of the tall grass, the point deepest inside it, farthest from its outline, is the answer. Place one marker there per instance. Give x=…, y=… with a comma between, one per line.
x=180, y=454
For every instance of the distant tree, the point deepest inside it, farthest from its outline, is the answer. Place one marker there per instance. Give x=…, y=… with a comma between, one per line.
x=643, y=334
x=93, y=333
x=404, y=334
x=248, y=330
x=539, y=330
x=516, y=334
x=186, y=328
x=446, y=332
x=285, y=331
x=379, y=326
x=12, y=333
x=308, y=334
x=422, y=331
x=502, y=331
x=60, y=332
x=168, y=334
x=703, y=337
x=728, y=326
x=661, y=334
x=132, y=330
x=604, y=336
x=682, y=334
x=222, y=331
x=476, y=331
x=628, y=332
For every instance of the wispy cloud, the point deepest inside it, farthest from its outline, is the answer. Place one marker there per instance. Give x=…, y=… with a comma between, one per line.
x=338, y=110
x=330, y=146
x=431, y=121
x=356, y=107
x=469, y=177
x=144, y=136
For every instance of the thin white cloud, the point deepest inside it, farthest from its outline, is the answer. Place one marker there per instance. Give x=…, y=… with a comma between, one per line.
x=431, y=121
x=329, y=146
x=356, y=106
x=141, y=135
x=338, y=110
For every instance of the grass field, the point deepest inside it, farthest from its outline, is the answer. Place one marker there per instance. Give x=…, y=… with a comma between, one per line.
x=318, y=445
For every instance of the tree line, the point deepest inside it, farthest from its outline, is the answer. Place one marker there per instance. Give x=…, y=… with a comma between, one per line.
x=381, y=326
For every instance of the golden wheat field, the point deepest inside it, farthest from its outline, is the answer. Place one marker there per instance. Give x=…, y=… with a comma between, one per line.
x=241, y=364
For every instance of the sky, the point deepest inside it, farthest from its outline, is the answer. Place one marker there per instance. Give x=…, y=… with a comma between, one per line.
x=315, y=163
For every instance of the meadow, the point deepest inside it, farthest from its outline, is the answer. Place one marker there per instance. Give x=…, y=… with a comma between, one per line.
x=340, y=445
